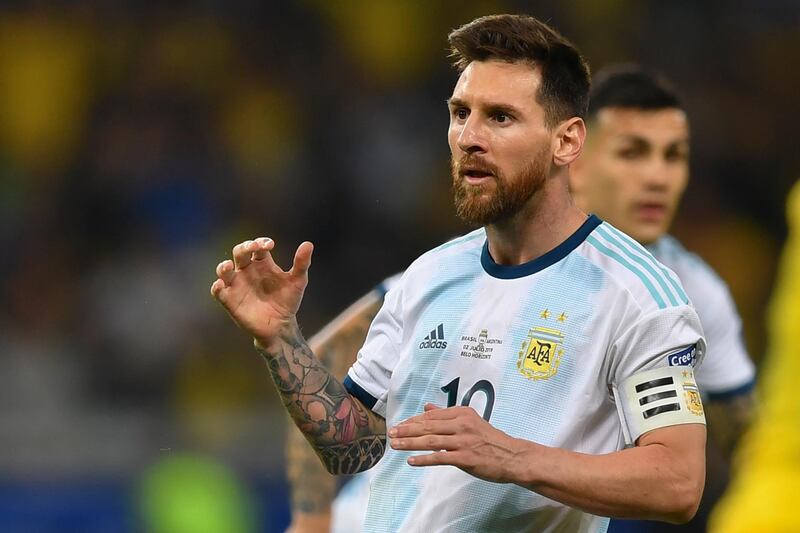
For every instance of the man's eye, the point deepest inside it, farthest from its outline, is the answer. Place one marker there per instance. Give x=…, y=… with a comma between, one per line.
x=672, y=156
x=461, y=113
x=501, y=118
x=630, y=153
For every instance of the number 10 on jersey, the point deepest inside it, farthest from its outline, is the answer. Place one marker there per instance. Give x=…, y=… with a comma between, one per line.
x=483, y=386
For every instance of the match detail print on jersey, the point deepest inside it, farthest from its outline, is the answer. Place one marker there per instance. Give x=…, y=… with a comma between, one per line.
x=662, y=397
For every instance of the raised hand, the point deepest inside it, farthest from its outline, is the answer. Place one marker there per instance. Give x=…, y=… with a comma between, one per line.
x=261, y=297
x=457, y=436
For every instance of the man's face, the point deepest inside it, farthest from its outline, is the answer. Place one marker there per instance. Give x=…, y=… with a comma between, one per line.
x=634, y=169
x=501, y=149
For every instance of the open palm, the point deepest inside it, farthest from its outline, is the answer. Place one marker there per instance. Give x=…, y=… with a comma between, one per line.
x=260, y=296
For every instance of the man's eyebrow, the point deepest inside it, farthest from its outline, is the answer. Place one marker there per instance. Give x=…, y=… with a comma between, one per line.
x=490, y=106
x=632, y=137
x=504, y=108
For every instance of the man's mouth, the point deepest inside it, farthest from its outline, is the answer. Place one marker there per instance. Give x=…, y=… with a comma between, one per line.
x=651, y=211
x=476, y=176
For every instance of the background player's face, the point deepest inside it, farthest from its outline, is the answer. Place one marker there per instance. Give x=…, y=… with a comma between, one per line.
x=501, y=149
x=634, y=169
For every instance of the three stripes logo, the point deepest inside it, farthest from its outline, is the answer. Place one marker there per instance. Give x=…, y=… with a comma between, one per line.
x=434, y=339
x=653, y=396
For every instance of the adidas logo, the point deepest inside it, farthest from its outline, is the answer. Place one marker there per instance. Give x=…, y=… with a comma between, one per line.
x=434, y=339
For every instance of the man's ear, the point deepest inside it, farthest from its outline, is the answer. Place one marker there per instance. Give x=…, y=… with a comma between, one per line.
x=570, y=136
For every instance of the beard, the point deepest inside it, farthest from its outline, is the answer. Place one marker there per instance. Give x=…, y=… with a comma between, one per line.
x=500, y=198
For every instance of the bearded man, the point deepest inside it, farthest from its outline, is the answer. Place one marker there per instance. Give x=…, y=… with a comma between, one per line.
x=531, y=359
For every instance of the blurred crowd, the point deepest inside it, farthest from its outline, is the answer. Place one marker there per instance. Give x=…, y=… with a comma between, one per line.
x=140, y=142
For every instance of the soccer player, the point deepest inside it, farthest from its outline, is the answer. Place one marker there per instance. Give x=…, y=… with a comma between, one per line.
x=632, y=173
x=524, y=356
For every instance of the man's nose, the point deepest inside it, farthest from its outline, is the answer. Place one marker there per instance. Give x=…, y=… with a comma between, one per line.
x=471, y=139
x=655, y=174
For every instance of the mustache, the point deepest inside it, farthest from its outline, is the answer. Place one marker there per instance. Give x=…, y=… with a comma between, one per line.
x=473, y=163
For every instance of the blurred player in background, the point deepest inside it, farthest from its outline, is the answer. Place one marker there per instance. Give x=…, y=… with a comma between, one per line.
x=766, y=481
x=632, y=173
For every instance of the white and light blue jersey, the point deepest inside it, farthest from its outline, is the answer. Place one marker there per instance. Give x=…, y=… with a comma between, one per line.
x=727, y=369
x=537, y=349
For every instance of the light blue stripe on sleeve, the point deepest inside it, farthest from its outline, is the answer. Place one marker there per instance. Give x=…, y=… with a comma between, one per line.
x=645, y=264
x=678, y=289
x=622, y=261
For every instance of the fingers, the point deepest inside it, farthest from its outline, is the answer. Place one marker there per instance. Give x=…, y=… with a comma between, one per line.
x=431, y=407
x=242, y=254
x=259, y=249
x=216, y=288
x=262, y=249
x=427, y=442
x=437, y=458
x=226, y=271
x=252, y=250
x=425, y=427
x=302, y=259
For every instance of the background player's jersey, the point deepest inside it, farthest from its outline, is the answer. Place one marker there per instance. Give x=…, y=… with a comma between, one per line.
x=537, y=349
x=727, y=369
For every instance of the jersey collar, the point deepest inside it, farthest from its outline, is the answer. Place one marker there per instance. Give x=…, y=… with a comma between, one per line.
x=540, y=263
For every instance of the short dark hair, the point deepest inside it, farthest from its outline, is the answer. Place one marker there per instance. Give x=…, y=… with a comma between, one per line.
x=565, y=84
x=631, y=86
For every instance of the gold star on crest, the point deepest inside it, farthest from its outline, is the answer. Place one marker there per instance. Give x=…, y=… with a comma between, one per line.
x=562, y=317
x=685, y=374
x=545, y=314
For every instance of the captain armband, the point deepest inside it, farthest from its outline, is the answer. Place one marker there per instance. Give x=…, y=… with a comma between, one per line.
x=659, y=398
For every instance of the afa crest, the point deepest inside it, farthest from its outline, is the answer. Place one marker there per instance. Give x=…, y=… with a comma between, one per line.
x=541, y=353
x=693, y=401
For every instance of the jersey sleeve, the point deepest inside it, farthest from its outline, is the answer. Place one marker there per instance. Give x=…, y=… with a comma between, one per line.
x=389, y=283
x=368, y=378
x=652, y=376
x=727, y=369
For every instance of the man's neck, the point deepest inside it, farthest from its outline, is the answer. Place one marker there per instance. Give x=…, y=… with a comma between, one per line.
x=546, y=221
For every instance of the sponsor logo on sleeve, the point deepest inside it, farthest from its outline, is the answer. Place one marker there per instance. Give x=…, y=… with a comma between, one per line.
x=685, y=357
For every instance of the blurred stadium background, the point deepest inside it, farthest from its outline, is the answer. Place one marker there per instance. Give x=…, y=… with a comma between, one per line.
x=139, y=142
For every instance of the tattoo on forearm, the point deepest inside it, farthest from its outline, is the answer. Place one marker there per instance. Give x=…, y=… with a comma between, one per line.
x=312, y=487
x=347, y=437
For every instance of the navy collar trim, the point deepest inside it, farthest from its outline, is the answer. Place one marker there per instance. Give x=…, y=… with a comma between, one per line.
x=540, y=263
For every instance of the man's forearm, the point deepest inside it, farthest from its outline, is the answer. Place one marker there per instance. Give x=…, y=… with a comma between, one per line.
x=312, y=487
x=347, y=436
x=647, y=482
x=728, y=420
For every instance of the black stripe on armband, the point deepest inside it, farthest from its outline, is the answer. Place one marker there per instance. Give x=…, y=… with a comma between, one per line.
x=653, y=384
x=661, y=409
x=658, y=396
x=358, y=391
